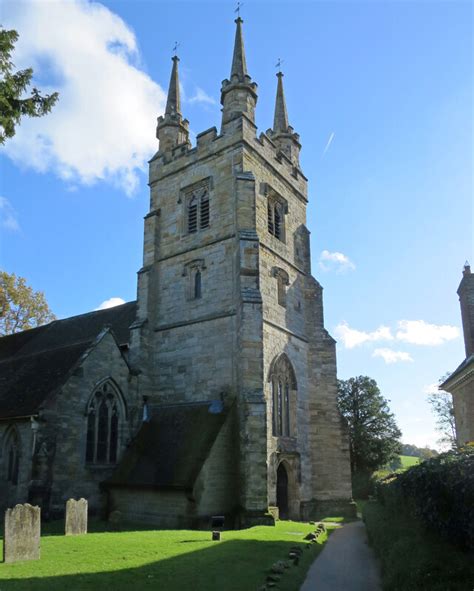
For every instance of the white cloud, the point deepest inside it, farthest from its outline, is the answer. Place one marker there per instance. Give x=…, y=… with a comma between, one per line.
x=335, y=261
x=202, y=97
x=329, y=142
x=351, y=337
x=103, y=126
x=8, y=217
x=391, y=356
x=419, y=332
x=110, y=303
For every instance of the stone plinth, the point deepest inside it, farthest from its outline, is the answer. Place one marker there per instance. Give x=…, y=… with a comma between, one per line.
x=21, y=540
x=76, y=517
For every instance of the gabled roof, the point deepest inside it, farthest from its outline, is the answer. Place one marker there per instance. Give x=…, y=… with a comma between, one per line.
x=469, y=361
x=170, y=450
x=36, y=362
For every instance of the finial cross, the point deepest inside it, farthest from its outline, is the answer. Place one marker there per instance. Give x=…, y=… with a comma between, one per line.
x=237, y=10
x=279, y=63
x=175, y=47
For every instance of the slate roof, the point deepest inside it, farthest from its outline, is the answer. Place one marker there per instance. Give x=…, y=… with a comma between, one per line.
x=36, y=362
x=170, y=450
x=468, y=361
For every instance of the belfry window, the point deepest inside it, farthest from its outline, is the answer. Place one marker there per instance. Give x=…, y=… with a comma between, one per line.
x=198, y=210
x=276, y=219
x=104, y=413
x=12, y=456
x=283, y=397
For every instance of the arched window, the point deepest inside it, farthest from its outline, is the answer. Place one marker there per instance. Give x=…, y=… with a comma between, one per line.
x=197, y=285
x=12, y=453
x=198, y=210
x=104, y=414
x=283, y=392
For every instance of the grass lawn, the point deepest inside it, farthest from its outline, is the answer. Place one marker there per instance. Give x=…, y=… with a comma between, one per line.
x=168, y=560
x=408, y=461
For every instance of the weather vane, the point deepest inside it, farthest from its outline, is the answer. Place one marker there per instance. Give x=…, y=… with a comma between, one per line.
x=175, y=47
x=279, y=63
x=237, y=10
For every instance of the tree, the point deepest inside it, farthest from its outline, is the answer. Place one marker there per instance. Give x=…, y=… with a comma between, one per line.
x=442, y=407
x=373, y=432
x=21, y=308
x=13, y=85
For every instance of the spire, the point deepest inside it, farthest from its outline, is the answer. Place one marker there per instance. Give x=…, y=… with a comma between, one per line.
x=172, y=130
x=239, y=93
x=284, y=136
x=173, y=104
x=280, y=120
x=238, y=71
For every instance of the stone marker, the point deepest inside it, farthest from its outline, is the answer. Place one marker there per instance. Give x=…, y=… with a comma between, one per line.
x=76, y=517
x=22, y=532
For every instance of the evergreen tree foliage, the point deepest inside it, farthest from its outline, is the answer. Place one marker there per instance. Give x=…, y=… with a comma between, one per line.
x=13, y=86
x=373, y=432
x=21, y=308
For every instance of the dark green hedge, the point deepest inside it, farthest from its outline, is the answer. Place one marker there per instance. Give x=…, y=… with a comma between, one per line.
x=439, y=492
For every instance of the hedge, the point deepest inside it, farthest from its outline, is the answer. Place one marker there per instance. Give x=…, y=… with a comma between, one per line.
x=439, y=492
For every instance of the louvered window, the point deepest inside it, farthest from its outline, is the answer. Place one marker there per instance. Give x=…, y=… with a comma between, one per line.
x=198, y=214
x=275, y=214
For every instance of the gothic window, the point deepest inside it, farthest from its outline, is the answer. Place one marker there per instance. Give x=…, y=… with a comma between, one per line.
x=193, y=271
x=276, y=210
x=283, y=392
x=198, y=209
x=104, y=414
x=283, y=281
x=12, y=456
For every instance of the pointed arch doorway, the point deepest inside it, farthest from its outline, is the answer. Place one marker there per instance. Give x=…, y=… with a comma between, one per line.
x=282, y=491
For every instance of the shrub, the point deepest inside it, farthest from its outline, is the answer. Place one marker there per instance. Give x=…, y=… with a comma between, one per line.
x=439, y=491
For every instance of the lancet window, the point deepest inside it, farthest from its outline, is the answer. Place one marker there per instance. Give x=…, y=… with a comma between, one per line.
x=12, y=455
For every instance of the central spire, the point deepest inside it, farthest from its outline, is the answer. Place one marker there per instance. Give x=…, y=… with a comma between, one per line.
x=173, y=104
x=239, y=94
x=239, y=63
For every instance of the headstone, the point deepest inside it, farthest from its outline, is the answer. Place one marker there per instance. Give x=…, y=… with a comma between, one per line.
x=216, y=536
x=22, y=532
x=76, y=517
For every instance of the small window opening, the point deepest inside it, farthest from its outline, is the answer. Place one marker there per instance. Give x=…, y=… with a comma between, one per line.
x=197, y=285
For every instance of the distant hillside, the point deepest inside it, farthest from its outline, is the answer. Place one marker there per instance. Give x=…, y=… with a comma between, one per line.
x=408, y=461
x=418, y=452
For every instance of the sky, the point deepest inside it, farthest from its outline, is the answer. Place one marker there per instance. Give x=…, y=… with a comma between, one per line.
x=381, y=93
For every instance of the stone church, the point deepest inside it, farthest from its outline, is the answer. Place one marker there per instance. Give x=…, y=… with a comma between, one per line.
x=461, y=382
x=215, y=391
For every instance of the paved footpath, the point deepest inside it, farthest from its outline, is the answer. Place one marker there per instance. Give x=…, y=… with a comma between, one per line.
x=347, y=563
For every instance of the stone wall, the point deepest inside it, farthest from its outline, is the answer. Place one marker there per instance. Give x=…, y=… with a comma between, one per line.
x=463, y=402
x=61, y=444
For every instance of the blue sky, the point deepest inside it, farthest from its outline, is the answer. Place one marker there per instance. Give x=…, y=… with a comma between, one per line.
x=381, y=94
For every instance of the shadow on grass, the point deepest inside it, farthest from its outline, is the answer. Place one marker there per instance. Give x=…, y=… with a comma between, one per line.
x=234, y=565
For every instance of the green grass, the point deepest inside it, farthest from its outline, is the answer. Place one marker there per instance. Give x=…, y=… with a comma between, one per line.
x=413, y=559
x=408, y=461
x=171, y=560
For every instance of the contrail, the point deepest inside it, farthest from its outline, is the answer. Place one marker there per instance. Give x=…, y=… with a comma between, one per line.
x=331, y=137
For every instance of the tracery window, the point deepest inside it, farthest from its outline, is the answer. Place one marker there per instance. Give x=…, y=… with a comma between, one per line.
x=104, y=415
x=12, y=455
x=198, y=210
x=283, y=396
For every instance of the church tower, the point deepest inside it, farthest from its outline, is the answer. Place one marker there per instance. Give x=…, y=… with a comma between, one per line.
x=228, y=310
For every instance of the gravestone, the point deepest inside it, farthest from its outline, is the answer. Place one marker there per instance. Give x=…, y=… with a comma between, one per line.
x=76, y=517
x=22, y=531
